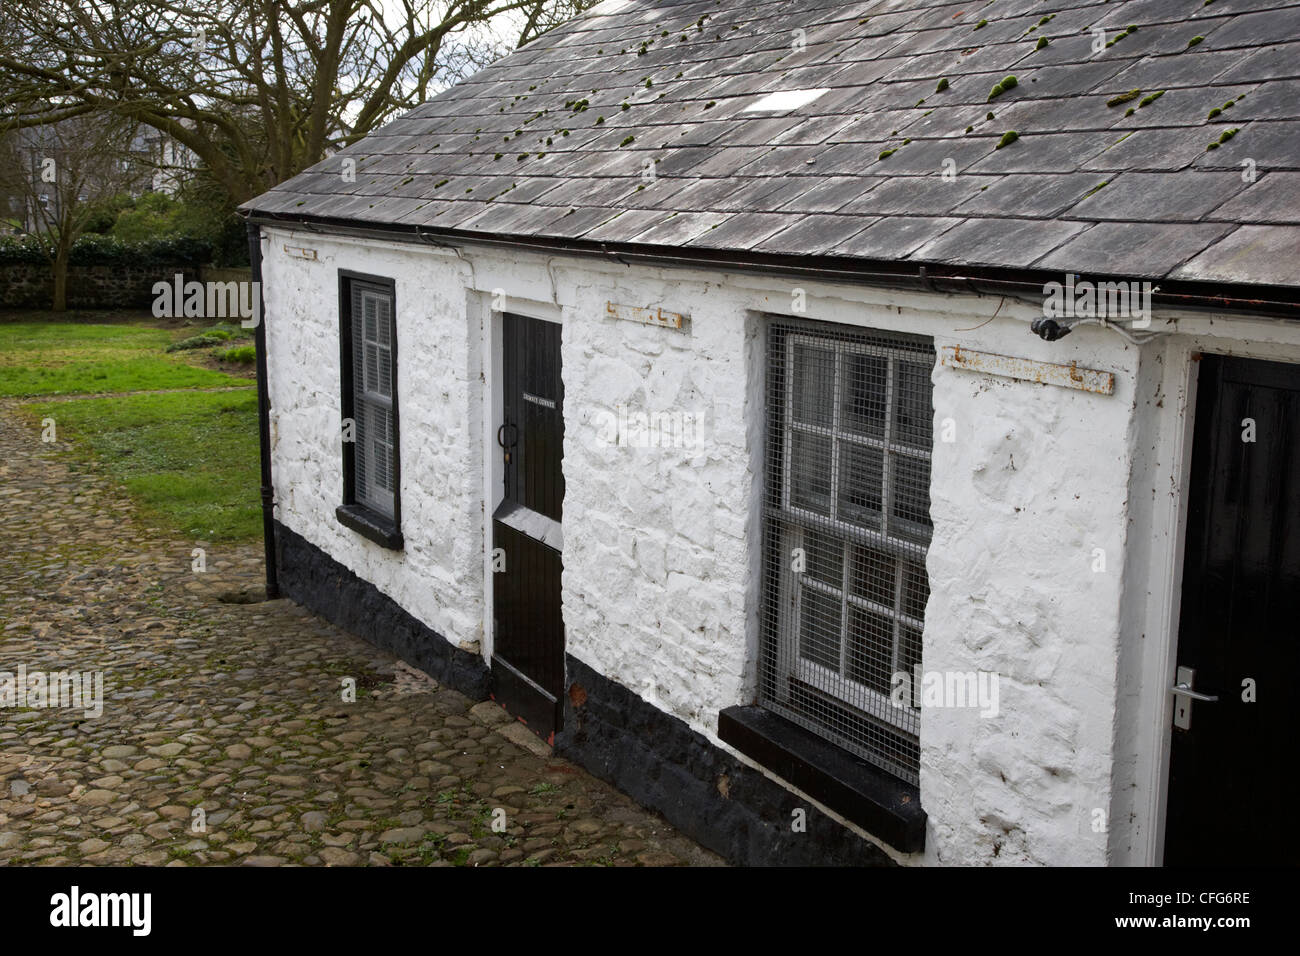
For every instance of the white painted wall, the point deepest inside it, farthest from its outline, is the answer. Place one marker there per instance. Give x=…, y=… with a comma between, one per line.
x=438, y=577
x=661, y=572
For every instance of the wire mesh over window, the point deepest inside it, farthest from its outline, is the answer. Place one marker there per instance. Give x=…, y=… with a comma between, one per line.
x=372, y=398
x=847, y=524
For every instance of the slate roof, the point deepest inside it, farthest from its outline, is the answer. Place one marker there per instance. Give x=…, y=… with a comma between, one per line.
x=555, y=139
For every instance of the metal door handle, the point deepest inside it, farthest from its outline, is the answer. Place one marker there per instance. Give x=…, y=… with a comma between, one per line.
x=1182, y=690
x=514, y=435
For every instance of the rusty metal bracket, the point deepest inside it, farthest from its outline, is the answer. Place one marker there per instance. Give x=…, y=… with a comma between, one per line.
x=1028, y=370
x=647, y=316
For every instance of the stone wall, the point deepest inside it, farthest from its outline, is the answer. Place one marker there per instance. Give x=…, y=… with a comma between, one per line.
x=31, y=285
x=437, y=576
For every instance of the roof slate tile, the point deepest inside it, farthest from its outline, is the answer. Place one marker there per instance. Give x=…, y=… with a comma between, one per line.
x=687, y=165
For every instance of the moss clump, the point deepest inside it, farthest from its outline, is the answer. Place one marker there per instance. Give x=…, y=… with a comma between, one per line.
x=1227, y=135
x=1042, y=42
x=981, y=25
x=886, y=153
x=1001, y=86
x=1104, y=182
x=970, y=129
x=1193, y=41
x=1009, y=137
x=1123, y=97
x=1148, y=100
x=710, y=104
x=626, y=141
x=1117, y=38
x=1130, y=111
x=942, y=85
x=1213, y=113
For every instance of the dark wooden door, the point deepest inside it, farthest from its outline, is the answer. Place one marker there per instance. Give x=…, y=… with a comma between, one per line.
x=1232, y=769
x=528, y=649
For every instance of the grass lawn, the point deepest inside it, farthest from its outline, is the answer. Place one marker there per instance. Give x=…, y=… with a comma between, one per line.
x=78, y=358
x=188, y=459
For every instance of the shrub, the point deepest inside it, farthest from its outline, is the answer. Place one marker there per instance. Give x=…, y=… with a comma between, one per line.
x=242, y=354
x=219, y=334
x=96, y=250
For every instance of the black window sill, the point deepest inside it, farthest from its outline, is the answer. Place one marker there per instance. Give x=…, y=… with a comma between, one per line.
x=369, y=524
x=883, y=805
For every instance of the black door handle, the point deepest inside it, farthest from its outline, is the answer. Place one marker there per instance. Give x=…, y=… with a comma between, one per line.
x=514, y=438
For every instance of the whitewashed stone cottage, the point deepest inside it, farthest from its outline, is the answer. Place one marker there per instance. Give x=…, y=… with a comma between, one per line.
x=696, y=381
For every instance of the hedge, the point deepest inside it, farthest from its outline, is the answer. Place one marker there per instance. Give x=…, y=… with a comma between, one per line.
x=96, y=250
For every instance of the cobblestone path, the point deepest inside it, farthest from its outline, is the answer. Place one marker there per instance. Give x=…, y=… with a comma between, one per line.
x=236, y=710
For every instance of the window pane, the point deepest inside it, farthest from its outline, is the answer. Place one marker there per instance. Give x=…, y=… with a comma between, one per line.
x=913, y=414
x=861, y=474
x=871, y=638
x=381, y=451
x=872, y=575
x=909, y=653
x=911, y=495
x=371, y=383
x=916, y=589
x=862, y=408
x=814, y=384
x=384, y=383
x=369, y=308
x=819, y=628
x=825, y=558
x=810, y=472
x=383, y=322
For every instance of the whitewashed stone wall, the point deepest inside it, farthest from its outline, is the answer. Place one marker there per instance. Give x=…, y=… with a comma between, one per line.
x=656, y=556
x=1028, y=501
x=661, y=543
x=438, y=577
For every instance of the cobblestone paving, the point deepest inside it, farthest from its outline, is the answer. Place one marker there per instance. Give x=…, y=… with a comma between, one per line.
x=236, y=709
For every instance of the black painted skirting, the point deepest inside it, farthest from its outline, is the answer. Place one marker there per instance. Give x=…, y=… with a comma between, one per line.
x=702, y=790
x=315, y=580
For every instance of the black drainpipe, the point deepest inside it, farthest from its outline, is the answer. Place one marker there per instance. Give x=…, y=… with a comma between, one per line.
x=264, y=416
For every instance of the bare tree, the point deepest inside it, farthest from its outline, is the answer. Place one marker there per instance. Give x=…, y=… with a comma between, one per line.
x=257, y=90
x=59, y=175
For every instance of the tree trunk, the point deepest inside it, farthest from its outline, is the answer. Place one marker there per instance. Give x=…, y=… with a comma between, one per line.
x=60, y=279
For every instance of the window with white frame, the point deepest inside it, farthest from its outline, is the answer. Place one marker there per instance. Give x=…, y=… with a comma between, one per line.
x=847, y=524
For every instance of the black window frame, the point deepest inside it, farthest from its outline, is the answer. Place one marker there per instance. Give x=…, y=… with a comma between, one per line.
x=354, y=514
